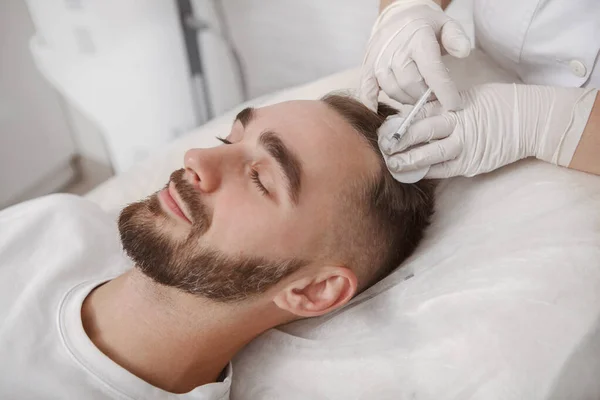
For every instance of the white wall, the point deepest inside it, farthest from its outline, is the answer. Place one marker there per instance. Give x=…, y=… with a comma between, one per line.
x=123, y=64
x=288, y=42
x=35, y=144
x=281, y=43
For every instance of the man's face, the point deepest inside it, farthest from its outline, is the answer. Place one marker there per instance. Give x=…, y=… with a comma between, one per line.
x=240, y=216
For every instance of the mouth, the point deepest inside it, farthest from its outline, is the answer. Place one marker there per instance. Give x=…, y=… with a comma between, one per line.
x=171, y=201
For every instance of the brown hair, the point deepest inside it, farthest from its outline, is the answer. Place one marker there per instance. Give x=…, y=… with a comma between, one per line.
x=392, y=216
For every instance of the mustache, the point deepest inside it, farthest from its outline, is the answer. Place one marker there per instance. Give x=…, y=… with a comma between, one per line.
x=200, y=215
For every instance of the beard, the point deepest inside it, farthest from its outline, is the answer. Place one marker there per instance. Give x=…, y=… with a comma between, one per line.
x=186, y=263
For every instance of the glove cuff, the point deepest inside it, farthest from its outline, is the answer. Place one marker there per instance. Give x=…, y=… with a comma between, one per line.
x=567, y=120
x=401, y=5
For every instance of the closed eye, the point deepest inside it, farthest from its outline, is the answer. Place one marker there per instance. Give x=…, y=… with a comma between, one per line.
x=256, y=179
x=253, y=173
x=224, y=141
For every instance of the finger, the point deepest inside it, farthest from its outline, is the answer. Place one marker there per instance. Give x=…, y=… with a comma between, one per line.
x=387, y=143
x=430, y=109
x=388, y=83
x=404, y=109
x=424, y=131
x=455, y=40
x=385, y=133
x=428, y=58
x=425, y=156
x=369, y=90
x=443, y=170
x=409, y=79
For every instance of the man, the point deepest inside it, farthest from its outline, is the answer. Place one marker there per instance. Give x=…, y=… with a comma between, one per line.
x=290, y=218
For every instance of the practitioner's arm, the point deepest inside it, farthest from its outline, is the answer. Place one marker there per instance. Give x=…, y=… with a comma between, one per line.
x=501, y=124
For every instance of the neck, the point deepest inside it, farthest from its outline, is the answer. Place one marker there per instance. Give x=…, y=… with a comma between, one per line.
x=170, y=339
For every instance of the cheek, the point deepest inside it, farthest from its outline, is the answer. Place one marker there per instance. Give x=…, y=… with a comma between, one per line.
x=243, y=223
x=246, y=223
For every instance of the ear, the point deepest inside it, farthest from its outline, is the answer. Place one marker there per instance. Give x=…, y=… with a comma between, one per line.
x=318, y=294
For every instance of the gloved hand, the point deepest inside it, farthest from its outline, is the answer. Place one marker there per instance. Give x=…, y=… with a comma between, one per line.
x=404, y=50
x=500, y=124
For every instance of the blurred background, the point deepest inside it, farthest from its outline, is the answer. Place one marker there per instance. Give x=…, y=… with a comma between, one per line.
x=89, y=87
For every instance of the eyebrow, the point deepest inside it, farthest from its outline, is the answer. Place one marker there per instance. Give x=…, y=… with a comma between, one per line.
x=289, y=163
x=245, y=116
x=287, y=160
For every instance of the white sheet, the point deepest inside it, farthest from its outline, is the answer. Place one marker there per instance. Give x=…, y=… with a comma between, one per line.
x=504, y=301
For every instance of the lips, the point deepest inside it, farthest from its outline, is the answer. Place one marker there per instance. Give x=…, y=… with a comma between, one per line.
x=169, y=198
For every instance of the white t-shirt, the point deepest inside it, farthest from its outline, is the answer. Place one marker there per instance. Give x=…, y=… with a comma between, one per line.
x=53, y=252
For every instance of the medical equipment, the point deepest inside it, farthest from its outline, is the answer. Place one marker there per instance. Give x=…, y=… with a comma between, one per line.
x=411, y=115
x=136, y=70
x=418, y=174
x=164, y=66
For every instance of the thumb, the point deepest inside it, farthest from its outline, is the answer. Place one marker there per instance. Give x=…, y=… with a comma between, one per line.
x=454, y=39
x=369, y=90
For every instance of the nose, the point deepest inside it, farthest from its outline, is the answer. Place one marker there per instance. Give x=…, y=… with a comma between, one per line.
x=202, y=169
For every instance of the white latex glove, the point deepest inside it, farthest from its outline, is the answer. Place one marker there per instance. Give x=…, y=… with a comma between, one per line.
x=500, y=124
x=404, y=57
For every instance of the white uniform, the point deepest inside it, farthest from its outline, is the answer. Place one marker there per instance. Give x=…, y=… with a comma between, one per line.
x=546, y=42
x=53, y=252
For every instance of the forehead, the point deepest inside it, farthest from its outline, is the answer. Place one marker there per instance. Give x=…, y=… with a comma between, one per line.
x=330, y=150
